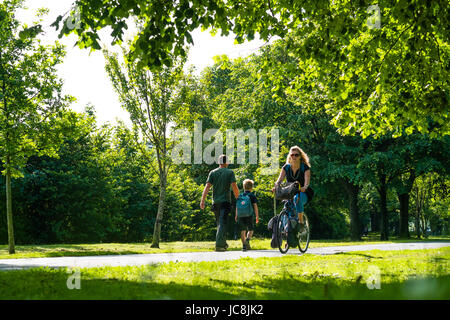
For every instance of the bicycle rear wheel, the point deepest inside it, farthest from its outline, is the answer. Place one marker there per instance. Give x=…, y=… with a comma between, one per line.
x=303, y=235
x=282, y=232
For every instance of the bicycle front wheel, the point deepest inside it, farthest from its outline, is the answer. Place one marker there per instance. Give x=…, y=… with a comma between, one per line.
x=303, y=235
x=282, y=233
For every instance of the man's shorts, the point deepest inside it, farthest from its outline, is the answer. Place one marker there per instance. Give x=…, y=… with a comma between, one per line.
x=246, y=223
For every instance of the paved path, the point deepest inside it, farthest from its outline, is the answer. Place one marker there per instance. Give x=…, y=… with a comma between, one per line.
x=145, y=259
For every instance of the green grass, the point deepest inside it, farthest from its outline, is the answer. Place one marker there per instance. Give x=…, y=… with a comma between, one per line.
x=64, y=250
x=406, y=274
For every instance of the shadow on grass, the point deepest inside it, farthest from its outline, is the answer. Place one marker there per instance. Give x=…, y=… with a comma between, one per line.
x=420, y=240
x=358, y=254
x=319, y=287
x=80, y=251
x=397, y=239
x=55, y=254
x=51, y=284
x=89, y=253
x=61, y=250
x=393, y=239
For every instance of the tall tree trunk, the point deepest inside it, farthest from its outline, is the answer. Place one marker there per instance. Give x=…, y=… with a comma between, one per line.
x=159, y=215
x=403, y=199
x=355, y=225
x=375, y=220
x=417, y=213
x=9, y=213
x=424, y=225
x=384, y=225
x=404, y=215
x=417, y=226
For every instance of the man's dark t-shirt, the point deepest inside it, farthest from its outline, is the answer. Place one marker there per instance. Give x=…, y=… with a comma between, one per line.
x=221, y=180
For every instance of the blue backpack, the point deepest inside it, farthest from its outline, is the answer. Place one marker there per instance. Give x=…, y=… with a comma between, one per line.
x=244, y=206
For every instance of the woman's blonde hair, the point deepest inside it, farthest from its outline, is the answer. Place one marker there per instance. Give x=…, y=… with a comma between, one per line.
x=303, y=156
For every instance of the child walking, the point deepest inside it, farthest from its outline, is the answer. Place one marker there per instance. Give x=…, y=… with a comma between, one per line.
x=245, y=223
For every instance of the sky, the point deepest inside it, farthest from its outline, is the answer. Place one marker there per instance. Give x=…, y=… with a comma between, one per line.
x=83, y=72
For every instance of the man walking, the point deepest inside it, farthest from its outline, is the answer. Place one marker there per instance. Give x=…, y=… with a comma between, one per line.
x=221, y=179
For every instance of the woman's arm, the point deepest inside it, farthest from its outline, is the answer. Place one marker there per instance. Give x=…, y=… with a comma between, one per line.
x=307, y=180
x=280, y=178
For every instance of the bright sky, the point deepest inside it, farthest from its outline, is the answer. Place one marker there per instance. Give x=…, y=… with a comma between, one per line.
x=84, y=73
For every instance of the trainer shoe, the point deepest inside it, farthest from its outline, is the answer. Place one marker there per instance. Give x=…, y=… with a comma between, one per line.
x=221, y=249
x=247, y=244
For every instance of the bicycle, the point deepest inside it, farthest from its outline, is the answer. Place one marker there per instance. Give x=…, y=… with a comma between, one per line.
x=284, y=226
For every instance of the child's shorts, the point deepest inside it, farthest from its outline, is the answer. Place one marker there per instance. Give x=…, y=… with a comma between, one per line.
x=245, y=223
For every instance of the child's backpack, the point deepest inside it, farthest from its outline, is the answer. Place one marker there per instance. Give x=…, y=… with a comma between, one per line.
x=244, y=206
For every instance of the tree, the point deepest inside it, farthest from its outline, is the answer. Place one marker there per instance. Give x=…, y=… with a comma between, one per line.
x=150, y=99
x=418, y=155
x=380, y=166
x=385, y=67
x=101, y=189
x=380, y=80
x=69, y=199
x=30, y=98
x=244, y=98
x=135, y=187
x=430, y=190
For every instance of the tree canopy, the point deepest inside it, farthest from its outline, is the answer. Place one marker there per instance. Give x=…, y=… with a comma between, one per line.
x=384, y=67
x=30, y=97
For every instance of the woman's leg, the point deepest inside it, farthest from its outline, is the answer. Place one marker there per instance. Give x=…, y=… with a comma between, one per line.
x=300, y=200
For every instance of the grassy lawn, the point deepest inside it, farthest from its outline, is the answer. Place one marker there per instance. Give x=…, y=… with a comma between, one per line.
x=408, y=274
x=61, y=250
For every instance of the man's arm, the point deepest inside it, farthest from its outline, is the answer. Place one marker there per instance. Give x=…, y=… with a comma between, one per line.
x=204, y=194
x=235, y=189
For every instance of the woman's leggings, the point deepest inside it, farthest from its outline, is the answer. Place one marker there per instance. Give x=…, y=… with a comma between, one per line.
x=300, y=199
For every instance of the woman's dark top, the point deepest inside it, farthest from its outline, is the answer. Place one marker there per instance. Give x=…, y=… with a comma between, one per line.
x=297, y=176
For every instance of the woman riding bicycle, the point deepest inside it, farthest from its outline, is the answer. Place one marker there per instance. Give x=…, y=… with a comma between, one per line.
x=297, y=169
